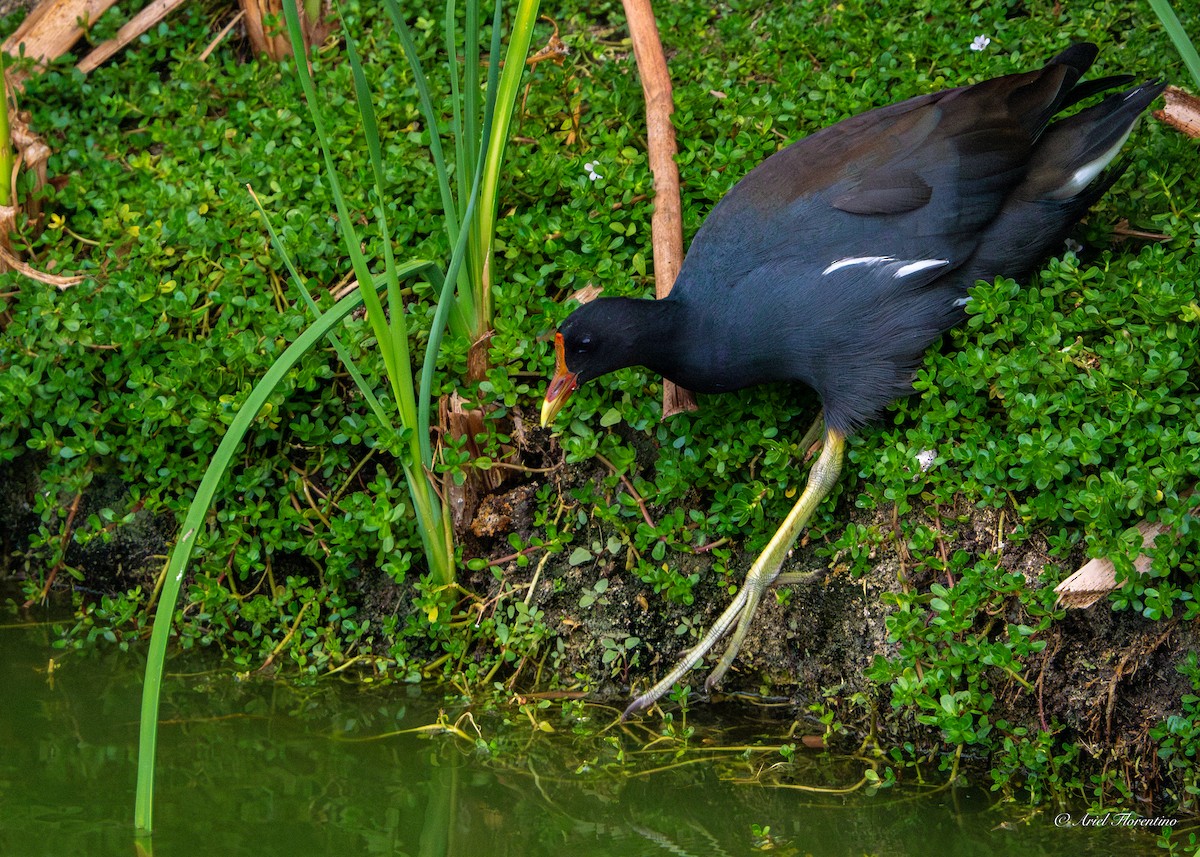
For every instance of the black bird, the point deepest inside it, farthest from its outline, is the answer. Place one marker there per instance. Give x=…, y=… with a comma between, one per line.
x=838, y=260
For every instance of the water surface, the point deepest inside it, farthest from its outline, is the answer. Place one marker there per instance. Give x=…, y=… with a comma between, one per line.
x=263, y=767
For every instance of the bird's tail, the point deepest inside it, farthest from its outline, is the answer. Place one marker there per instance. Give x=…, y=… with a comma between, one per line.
x=1066, y=175
x=1073, y=152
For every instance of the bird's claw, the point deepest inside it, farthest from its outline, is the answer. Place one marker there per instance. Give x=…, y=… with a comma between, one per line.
x=761, y=576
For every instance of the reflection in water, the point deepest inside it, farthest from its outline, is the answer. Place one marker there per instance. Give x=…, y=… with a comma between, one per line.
x=340, y=768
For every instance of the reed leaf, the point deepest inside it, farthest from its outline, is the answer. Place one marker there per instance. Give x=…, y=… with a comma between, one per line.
x=1183, y=44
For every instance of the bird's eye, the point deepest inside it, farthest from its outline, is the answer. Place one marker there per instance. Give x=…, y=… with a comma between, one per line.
x=584, y=344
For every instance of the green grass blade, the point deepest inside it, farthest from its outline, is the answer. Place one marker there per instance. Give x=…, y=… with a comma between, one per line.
x=471, y=279
x=506, y=99
x=471, y=138
x=459, y=122
x=421, y=434
x=397, y=329
x=446, y=299
x=445, y=292
x=420, y=488
x=6, y=153
x=372, y=400
x=378, y=318
x=449, y=209
x=1171, y=23
x=470, y=300
x=466, y=144
x=192, y=524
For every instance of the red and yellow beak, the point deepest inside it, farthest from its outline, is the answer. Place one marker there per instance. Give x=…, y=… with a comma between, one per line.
x=562, y=385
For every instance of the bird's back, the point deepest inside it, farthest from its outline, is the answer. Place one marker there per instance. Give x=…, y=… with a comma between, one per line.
x=854, y=247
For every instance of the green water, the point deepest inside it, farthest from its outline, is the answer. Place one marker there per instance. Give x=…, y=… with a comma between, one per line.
x=263, y=768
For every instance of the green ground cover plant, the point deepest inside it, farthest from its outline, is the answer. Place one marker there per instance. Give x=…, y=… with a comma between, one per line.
x=1068, y=404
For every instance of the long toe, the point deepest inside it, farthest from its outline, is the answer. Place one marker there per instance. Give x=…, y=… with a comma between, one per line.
x=762, y=575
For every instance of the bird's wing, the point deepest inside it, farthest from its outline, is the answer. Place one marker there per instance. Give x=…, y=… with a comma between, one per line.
x=917, y=180
x=856, y=332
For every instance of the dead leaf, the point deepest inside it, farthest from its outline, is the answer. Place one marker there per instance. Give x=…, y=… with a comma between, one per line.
x=1182, y=111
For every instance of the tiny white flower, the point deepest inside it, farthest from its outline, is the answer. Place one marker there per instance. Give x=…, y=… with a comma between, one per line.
x=1074, y=246
x=925, y=459
x=590, y=166
x=980, y=43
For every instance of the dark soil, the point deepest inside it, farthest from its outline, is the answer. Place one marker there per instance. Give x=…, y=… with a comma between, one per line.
x=1103, y=680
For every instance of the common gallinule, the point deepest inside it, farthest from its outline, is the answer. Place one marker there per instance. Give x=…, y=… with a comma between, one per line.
x=839, y=259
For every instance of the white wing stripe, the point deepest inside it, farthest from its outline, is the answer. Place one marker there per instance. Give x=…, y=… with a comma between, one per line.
x=857, y=260
x=923, y=265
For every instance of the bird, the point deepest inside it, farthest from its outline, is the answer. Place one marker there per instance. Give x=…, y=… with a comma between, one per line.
x=841, y=258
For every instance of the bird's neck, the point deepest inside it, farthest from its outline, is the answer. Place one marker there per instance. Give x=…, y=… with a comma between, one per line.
x=652, y=334
x=696, y=347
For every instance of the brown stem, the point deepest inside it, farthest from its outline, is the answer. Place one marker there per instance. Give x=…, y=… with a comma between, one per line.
x=632, y=491
x=666, y=225
x=62, y=560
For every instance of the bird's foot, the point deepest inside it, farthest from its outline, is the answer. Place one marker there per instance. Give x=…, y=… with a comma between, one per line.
x=735, y=645
x=742, y=610
x=711, y=637
x=762, y=575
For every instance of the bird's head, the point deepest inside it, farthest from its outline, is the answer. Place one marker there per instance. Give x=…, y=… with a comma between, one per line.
x=600, y=337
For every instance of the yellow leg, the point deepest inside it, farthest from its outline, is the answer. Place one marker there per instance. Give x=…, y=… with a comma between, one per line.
x=762, y=574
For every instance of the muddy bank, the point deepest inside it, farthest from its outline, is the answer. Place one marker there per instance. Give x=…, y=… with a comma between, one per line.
x=1103, y=680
